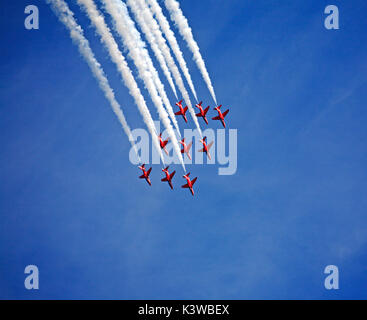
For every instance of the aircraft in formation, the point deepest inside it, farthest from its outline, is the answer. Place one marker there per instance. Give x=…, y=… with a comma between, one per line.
x=182, y=111
x=202, y=112
x=220, y=115
x=190, y=183
x=145, y=174
x=206, y=147
x=168, y=177
x=163, y=143
x=186, y=147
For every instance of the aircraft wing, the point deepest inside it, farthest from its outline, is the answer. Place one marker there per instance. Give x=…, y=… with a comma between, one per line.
x=216, y=118
x=185, y=186
x=225, y=112
x=193, y=180
x=172, y=174
x=148, y=172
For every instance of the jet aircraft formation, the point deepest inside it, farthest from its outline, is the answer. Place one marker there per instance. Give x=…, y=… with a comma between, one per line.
x=186, y=147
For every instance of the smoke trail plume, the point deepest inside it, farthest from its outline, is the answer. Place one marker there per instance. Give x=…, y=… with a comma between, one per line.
x=123, y=68
x=153, y=34
x=66, y=16
x=131, y=40
x=170, y=36
x=183, y=26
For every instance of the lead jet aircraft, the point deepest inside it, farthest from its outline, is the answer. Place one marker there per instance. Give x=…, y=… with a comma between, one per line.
x=145, y=174
x=163, y=143
x=206, y=147
x=186, y=148
x=202, y=112
x=168, y=176
x=190, y=183
x=220, y=115
x=182, y=111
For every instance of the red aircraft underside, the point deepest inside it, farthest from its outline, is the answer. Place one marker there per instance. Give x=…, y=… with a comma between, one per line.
x=168, y=176
x=145, y=174
x=206, y=147
x=182, y=111
x=221, y=115
x=186, y=148
x=190, y=183
x=163, y=143
x=202, y=112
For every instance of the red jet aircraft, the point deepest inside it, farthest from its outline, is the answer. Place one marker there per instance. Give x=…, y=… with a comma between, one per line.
x=182, y=111
x=163, y=143
x=186, y=148
x=202, y=112
x=145, y=174
x=168, y=176
x=190, y=183
x=206, y=147
x=220, y=115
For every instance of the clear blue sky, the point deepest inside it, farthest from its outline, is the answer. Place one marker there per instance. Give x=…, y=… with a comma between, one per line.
x=71, y=202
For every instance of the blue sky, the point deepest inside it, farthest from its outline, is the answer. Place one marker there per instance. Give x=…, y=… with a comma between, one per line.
x=71, y=202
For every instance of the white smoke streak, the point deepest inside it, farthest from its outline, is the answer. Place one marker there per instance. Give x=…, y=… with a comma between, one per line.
x=66, y=16
x=153, y=34
x=170, y=36
x=116, y=56
x=131, y=40
x=183, y=26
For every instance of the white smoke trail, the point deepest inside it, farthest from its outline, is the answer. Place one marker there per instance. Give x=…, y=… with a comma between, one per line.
x=153, y=34
x=66, y=16
x=183, y=26
x=131, y=40
x=170, y=36
x=123, y=68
